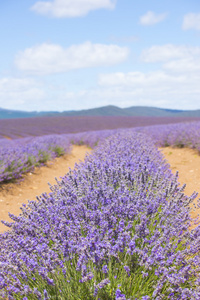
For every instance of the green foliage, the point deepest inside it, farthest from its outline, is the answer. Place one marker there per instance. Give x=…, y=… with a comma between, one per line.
x=59, y=151
x=43, y=156
x=31, y=161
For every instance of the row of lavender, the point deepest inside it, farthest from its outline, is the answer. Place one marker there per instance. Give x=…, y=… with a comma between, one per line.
x=117, y=227
x=21, y=155
x=175, y=135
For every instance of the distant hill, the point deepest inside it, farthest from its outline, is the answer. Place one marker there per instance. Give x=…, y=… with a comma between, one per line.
x=110, y=110
x=16, y=114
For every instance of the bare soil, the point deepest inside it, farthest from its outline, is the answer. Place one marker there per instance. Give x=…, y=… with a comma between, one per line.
x=187, y=162
x=13, y=195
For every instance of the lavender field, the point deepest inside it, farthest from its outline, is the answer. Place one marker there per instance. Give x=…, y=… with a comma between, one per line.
x=116, y=227
x=19, y=128
x=19, y=156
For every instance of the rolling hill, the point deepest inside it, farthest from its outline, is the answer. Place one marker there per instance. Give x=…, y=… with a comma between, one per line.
x=109, y=110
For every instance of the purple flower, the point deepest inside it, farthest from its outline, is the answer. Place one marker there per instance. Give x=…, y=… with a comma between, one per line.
x=145, y=274
x=50, y=281
x=95, y=291
x=45, y=294
x=105, y=269
x=88, y=277
x=37, y=293
x=103, y=283
x=127, y=269
x=119, y=295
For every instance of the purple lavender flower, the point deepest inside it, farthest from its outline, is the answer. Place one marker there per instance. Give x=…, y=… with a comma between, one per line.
x=119, y=295
x=95, y=291
x=103, y=283
x=127, y=269
x=45, y=294
x=144, y=274
x=105, y=269
x=88, y=277
x=37, y=293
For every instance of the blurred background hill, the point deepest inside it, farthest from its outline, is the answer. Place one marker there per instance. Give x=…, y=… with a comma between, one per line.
x=110, y=110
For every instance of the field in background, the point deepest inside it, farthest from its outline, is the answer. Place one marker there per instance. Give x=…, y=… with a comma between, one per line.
x=17, y=128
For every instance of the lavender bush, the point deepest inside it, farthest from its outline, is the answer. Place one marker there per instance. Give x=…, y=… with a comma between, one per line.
x=116, y=227
x=175, y=135
x=20, y=156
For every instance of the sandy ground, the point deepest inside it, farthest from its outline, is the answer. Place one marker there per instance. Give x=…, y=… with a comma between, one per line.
x=186, y=161
x=35, y=183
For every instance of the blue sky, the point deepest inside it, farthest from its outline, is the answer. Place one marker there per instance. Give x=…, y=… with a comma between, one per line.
x=61, y=55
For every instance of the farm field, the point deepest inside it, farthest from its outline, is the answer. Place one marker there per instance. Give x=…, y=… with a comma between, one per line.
x=116, y=227
x=22, y=155
x=18, y=128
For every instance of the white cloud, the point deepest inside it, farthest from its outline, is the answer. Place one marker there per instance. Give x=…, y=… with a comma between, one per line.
x=186, y=65
x=15, y=92
x=191, y=21
x=165, y=52
x=175, y=83
x=71, y=8
x=157, y=88
x=138, y=79
x=175, y=58
x=151, y=18
x=51, y=58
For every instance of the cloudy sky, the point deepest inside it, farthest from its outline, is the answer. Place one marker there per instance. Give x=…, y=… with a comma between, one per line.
x=77, y=54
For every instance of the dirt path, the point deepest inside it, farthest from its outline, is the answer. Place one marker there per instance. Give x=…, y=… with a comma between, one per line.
x=187, y=163
x=35, y=183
